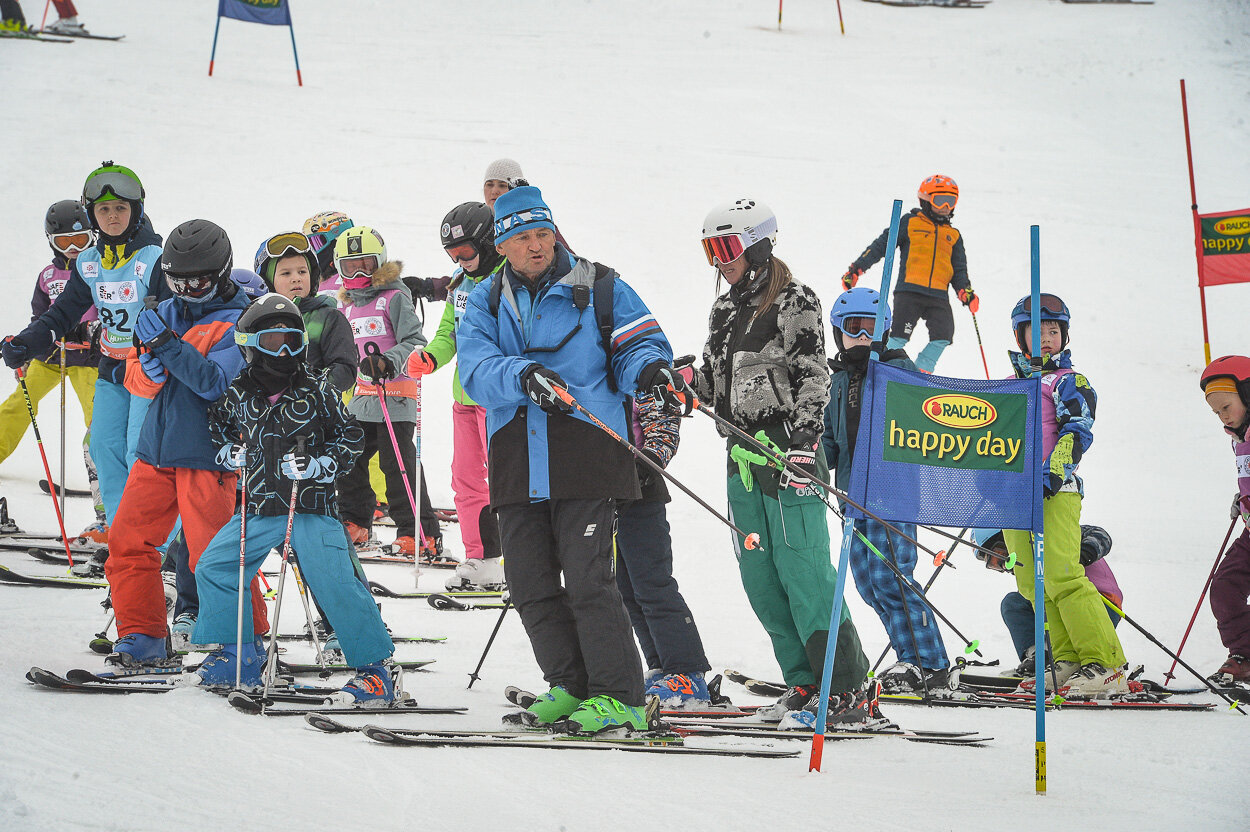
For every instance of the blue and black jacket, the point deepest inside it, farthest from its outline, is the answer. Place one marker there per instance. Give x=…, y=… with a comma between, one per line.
x=535, y=456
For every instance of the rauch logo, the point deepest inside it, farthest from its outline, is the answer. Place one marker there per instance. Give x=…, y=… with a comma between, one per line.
x=1233, y=226
x=955, y=410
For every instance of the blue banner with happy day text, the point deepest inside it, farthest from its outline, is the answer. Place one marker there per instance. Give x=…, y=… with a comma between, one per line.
x=947, y=451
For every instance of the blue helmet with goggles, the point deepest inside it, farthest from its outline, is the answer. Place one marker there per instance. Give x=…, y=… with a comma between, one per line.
x=1052, y=309
x=272, y=326
x=854, y=313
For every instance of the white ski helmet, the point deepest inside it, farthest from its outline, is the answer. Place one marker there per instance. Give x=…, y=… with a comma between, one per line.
x=744, y=225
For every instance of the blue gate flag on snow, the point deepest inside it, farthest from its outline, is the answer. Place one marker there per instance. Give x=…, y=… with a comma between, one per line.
x=268, y=12
x=948, y=452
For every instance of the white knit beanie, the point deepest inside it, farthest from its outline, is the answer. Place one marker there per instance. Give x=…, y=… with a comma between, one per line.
x=505, y=170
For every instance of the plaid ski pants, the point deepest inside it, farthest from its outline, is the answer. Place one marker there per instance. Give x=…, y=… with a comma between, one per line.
x=880, y=589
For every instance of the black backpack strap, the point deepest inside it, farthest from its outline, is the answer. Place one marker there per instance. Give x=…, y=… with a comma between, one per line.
x=496, y=289
x=604, y=291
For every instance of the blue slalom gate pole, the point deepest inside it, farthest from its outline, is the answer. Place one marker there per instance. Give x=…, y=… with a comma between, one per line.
x=848, y=525
x=831, y=649
x=294, y=51
x=216, y=30
x=1039, y=591
x=887, y=274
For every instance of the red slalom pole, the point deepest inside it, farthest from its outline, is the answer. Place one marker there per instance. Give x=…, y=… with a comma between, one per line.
x=841, y=25
x=1171, y=674
x=30, y=408
x=1193, y=207
x=977, y=329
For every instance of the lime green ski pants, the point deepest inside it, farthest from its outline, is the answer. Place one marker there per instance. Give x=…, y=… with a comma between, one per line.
x=1080, y=630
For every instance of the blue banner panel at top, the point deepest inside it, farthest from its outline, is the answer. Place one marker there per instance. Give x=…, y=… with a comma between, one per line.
x=948, y=451
x=268, y=12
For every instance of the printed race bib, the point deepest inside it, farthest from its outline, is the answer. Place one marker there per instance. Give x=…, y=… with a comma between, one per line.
x=1243, y=466
x=123, y=291
x=55, y=287
x=373, y=326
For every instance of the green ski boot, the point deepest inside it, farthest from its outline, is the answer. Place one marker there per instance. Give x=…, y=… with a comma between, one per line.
x=603, y=713
x=550, y=707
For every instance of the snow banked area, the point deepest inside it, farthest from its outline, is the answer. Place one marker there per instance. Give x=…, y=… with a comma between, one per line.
x=635, y=118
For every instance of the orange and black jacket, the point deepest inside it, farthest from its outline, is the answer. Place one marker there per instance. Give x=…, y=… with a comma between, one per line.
x=930, y=255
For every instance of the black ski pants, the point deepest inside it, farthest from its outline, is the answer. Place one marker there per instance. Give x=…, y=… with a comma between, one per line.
x=662, y=620
x=356, y=497
x=579, y=630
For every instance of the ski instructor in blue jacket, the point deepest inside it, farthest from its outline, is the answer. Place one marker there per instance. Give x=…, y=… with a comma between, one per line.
x=531, y=331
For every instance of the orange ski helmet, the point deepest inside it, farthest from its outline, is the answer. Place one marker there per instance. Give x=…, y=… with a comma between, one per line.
x=938, y=184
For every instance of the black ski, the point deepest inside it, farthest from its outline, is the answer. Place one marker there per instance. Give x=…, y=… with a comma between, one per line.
x=772, y=732
x=84, y=35
x=386, y=736
x=7, y=575
x=755, y=685
x=443, y=601
x=127, y=675
x=295, y=669
x=48, y=679
x=48, y=545
x=724, y=709
x=32, y=36
x=251, y=704
x=57, y=556
x=941, y=4
x=394, y=639
x=1111, y=2
x=385, y=592
x=47, y=487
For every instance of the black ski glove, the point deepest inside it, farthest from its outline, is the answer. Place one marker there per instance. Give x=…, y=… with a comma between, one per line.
x=428, y=288
x=16, y=351
x=667, y=385
x=377, y=366
x=802, y=454
x=539, y=384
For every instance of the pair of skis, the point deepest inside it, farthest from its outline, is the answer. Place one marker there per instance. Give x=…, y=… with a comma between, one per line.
x=56, y=37
x=485, y=593
x=994, y=698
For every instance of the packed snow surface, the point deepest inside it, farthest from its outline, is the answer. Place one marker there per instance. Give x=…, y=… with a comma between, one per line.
x=635, y=119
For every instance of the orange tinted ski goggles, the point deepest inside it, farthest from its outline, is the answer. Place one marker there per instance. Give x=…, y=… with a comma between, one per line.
x=724, y=249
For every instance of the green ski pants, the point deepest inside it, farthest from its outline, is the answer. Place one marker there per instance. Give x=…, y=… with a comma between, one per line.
x=789, y=582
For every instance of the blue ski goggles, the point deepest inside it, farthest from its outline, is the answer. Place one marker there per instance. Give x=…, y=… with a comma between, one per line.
x=277, y=341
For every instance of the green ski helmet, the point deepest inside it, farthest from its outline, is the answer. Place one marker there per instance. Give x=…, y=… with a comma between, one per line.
x=109, y=182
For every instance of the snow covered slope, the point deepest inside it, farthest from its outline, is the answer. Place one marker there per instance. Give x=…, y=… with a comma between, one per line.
x=635, y=118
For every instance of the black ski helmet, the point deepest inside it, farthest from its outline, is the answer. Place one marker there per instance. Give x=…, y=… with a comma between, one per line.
x=266, y=312
x=472, y=223
x=67, y=217
x=197, y=260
